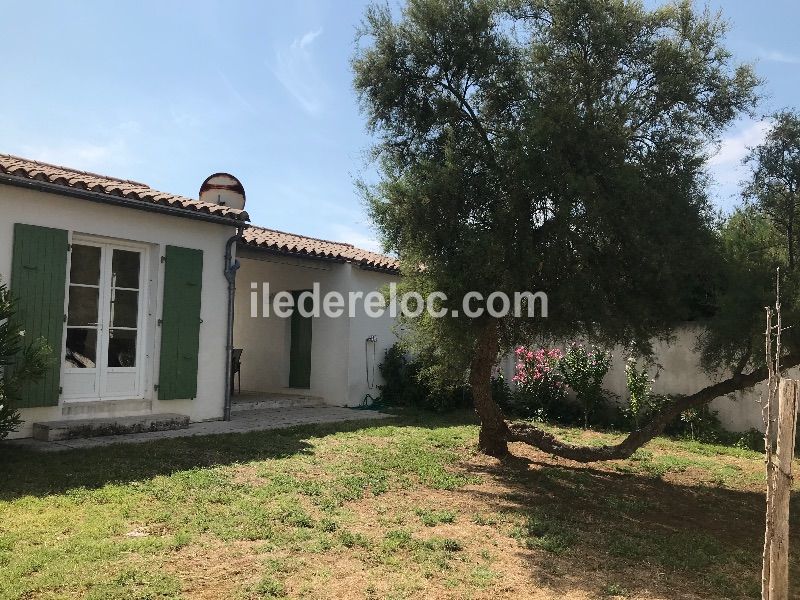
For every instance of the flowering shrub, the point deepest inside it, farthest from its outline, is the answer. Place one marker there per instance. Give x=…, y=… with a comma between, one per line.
x=537, y=367
x=540, y=388
x=544, y=377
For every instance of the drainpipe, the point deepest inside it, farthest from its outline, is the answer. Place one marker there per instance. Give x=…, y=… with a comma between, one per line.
x=231, y=266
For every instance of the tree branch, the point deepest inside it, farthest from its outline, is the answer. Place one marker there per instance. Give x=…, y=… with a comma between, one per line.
x=547, y=442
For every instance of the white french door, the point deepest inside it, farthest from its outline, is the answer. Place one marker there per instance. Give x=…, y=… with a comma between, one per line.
x=103, y=354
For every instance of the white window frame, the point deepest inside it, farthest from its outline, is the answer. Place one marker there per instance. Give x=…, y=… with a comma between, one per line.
x=101, y=359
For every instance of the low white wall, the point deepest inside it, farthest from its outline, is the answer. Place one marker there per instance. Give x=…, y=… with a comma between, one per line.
x=18, y=205
x=680, y=373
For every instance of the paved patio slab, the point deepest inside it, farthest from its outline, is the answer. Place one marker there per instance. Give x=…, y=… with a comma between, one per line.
x=241, y=422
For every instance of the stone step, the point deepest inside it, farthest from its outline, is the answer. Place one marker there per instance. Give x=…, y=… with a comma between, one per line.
x=268, y=401
x=106, y=409
x=53, y=431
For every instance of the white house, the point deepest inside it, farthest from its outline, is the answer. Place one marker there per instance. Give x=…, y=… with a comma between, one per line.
x=131, y=289
x=128, y=286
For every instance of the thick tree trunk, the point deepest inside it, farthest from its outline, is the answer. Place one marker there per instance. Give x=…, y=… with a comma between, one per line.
x=547, y=442
x=493, y=436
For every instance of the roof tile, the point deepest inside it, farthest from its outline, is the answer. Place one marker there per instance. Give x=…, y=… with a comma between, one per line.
x=306, y=247
x=64, y=176
x=258, y=237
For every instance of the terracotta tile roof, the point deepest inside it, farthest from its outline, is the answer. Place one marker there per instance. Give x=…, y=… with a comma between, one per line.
x=24, y=168
x=297, y=245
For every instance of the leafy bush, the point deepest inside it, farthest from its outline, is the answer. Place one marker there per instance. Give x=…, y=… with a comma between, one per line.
x=20, y=363
x=639, y=387
x=643, y=404
x=404, y=385
x=547, y=379
x=753, y=439
x=540, y=390
x=583, y=370
x=502, y=393
x=401, y=386
x=702, y=425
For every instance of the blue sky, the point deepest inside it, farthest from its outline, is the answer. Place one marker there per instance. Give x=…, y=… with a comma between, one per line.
x=168, y=92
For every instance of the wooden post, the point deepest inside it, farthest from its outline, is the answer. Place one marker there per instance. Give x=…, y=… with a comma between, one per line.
x=768, y=411
x=788, y=391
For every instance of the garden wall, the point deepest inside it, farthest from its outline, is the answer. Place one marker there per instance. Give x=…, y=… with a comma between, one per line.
x=679, y=372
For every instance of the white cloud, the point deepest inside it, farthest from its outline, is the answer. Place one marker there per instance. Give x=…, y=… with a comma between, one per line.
x=734, y=148
x=307, y=39
x=357, y=237
x=294, y=67
x=778, y=56
x=726, y=167
x=109, y=153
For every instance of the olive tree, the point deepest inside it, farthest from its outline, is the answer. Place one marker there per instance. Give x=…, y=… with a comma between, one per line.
x=546, y=145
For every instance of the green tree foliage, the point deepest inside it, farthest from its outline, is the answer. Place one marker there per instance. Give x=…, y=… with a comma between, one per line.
x=20, y=362
x=751, y=248
x=553, y=145
x=756, y=240
x=774, y=186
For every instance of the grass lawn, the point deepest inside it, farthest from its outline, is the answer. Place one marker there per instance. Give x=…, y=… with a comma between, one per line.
x=365, y=510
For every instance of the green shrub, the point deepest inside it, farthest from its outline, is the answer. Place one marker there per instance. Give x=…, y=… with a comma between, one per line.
x=583, y=370
x=404, y=385
x=20, y=363
x=545, y=378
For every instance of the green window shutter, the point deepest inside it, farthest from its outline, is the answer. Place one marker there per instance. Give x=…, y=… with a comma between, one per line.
x=38, y=282
x=300, y=349
x=180, y=324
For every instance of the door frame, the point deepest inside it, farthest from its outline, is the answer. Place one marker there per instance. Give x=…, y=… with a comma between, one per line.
x=301, y=380
x=108, y=245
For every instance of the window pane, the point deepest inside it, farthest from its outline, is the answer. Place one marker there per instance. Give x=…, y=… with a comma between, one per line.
x=85, y=265
x=121, y=348
x=125, y=265
x=124, y=308
x=82, y=306
x=81, y=348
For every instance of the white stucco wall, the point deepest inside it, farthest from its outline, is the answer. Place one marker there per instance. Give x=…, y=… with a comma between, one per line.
x=18, y=205
x=266, y=340
x=680, y=373
x=361, y=328
x=338, y=373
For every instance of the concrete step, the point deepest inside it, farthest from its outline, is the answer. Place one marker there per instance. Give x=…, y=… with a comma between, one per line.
x=105, y=409
x=53, y=431
x=268, y=401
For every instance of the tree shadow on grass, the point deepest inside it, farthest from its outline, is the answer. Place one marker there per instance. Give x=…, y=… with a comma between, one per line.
x=595, y=530
x=27, y=472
